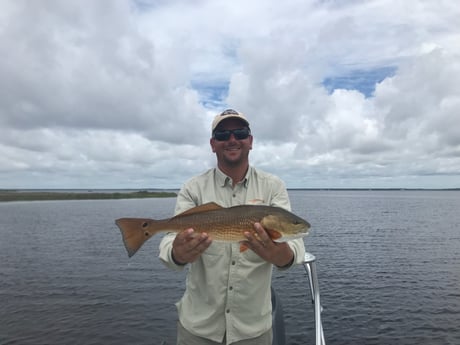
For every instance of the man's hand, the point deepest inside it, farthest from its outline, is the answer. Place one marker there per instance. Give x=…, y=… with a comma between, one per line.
x=279, y=254
x=188, y=246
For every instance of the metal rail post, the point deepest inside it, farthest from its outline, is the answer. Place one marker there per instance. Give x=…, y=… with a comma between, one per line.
x=310, y=267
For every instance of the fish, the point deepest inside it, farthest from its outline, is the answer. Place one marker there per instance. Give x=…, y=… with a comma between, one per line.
x=227, y=224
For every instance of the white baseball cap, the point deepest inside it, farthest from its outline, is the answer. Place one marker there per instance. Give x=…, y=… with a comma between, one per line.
x=228, y=114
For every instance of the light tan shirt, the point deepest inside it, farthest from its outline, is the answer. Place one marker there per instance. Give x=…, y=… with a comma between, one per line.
x=228, y=292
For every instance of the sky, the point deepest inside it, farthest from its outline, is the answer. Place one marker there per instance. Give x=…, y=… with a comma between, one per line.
x=121, y=94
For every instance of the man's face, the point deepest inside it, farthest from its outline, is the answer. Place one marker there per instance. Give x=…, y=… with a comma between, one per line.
x=232, y=151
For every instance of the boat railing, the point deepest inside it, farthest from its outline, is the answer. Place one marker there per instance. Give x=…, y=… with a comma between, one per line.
x=309, y=264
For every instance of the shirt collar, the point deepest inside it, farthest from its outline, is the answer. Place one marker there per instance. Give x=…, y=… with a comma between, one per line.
x=222, y=179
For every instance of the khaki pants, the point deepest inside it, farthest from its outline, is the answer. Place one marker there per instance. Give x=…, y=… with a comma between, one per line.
x=184, y=337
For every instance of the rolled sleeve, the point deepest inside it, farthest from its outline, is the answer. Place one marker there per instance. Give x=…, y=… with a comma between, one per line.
x=166, y=252
x=298, y=249
x=184, y=202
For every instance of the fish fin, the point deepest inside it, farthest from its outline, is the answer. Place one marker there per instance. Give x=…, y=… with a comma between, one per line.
x=274, y=235
x=210, y=206
x=243, y=247
x=135, y=231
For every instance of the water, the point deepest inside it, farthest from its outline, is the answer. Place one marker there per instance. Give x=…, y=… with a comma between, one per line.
x=388, y=265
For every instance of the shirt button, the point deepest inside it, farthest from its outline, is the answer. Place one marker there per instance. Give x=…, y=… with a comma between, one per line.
x=230, y=288
x=233, y=262
x=228, y=311
x=234, y=195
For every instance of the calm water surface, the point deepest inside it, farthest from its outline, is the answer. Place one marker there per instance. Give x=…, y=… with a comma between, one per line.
x=388, y=265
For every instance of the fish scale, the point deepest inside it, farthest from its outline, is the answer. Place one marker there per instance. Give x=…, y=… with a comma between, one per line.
x=221, y=224
x=231, y=225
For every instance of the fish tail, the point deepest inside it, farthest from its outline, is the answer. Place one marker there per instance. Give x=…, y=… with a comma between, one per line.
x=135, y=231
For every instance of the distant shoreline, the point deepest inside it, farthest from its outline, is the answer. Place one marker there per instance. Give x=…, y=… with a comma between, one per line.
x=18, y=195
x=101, y=194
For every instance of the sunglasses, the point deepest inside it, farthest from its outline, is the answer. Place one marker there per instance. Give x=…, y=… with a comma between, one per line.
x=224, y=135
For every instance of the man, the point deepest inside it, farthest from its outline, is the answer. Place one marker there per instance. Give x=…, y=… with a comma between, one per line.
x=227, y=298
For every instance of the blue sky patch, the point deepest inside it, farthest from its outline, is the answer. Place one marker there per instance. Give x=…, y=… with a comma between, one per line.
x=211, y=94
x=363, y=81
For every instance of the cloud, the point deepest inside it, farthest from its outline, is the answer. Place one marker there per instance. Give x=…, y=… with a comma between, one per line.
x=86, y=72
x=122, y=93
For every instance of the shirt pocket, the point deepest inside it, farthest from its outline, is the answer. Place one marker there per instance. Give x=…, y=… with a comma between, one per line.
x=249, y=256
x=215, y=249
x=214, y=254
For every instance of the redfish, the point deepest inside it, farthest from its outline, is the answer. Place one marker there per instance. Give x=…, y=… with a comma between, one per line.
x=221, y=224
